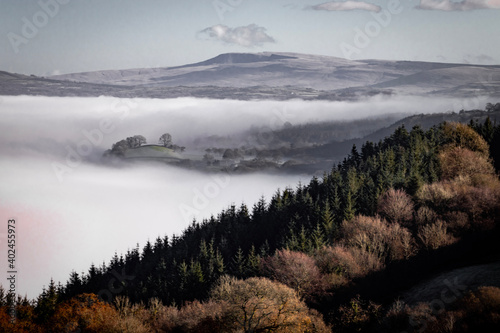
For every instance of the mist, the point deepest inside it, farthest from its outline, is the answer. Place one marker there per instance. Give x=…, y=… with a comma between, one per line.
x=72, y=210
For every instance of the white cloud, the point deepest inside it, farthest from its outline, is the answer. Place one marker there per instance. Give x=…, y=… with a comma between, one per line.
x=464, y=5
x=248, y=36
x=347, y=5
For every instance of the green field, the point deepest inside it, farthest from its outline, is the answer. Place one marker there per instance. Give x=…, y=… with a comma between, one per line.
x=153, y=152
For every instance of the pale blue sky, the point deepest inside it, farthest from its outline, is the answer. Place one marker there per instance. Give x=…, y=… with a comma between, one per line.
x=79, y=35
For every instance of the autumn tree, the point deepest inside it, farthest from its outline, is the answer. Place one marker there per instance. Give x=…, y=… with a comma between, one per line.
x=463, y=136
x=434, y=236
x=396, y=206
x=376, y=236
x=296, y=270
x=85, y=312
x=261, y=305
x=465, y=163
x=346, y=262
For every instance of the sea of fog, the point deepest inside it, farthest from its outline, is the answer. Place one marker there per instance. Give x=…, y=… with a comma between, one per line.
x=71, y=210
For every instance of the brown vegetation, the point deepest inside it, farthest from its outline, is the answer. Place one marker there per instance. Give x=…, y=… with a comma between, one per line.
x=478, y=311
x=465, y=163
x=463, y=136
x=296, y=270
x=374, y=235
x=396, y=206
x=347, y=262
x=260, y=305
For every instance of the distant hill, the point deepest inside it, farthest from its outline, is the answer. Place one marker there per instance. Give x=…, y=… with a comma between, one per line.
x=334, y=151
x=300, y=70
x=268, y=75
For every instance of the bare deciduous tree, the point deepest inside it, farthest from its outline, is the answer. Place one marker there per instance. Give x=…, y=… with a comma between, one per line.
x=296, y=270
x=261, y=305
x=396, y=206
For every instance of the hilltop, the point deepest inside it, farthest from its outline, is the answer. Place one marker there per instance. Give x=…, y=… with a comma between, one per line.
x=268, y=75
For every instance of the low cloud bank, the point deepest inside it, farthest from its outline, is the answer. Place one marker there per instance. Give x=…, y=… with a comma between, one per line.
x=95, y=210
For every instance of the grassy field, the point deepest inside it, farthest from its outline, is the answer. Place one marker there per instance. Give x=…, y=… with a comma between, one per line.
x=154, y=152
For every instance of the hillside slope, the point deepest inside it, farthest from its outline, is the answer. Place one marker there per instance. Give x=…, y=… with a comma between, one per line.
x=267, y=75
x=299, y=70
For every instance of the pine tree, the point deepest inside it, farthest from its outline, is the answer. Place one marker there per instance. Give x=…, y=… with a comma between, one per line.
x=355, y=157
x=265, y=249
x=196, y=273
x=328, y=223
x=317, y=238
x=183, y=276
x=291, y=241
x=304, y=244
x=46, y=303
x=239, y=263
x=414, y=183
x=349, y=210
x=219, y=267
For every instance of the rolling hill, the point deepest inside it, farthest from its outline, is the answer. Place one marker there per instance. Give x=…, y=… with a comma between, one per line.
x=269, y=76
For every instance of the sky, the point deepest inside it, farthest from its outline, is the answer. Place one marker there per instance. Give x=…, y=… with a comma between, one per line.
x=48, y=37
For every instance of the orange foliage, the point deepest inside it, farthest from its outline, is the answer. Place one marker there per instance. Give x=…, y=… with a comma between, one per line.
x=261, y=305
x=85, y=312
x=296, y=270
x=23, y=322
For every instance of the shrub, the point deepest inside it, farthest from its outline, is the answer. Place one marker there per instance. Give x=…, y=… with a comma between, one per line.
x=357, y=316
x=480, y=203
x=478, y=311
x=296, y=270
x=367, y=233
x=396, y=206
x=434, y=236
x=202, y=317
x=85, y=312
x=349, y=262
x=461, y=162
x=457, y=222
x=425, y=215
x=438, y=196
x=376, y=236
x=401, y=243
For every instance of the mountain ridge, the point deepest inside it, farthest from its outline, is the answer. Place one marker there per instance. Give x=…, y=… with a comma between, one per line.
x=270, y=75
x=288, y=69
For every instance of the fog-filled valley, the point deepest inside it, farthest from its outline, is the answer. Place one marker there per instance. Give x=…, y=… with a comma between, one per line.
x=73, y=209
